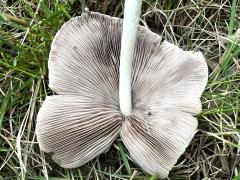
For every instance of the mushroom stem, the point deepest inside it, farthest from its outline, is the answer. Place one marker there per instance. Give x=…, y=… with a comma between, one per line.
x=132, y=10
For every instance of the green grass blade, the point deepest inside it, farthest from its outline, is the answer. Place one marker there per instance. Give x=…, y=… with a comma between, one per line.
x=124, y=158
x=4, y=106
x=232, y=18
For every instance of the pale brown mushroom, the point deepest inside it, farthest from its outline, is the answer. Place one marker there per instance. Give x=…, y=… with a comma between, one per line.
x=83, y=119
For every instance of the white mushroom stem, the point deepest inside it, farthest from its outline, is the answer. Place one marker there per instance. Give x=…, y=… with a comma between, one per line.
x=132, y=10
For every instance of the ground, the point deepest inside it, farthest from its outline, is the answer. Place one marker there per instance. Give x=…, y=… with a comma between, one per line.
x=27, y=30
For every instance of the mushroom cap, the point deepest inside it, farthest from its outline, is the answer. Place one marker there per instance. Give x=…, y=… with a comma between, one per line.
x=83, y=119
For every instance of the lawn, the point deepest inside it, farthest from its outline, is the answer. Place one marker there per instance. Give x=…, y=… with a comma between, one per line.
x=27, y=28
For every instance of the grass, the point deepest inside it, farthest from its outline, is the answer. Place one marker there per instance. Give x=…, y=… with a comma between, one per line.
x=26, y=33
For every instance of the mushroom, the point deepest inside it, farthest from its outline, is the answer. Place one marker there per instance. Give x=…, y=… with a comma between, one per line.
x=84, y=118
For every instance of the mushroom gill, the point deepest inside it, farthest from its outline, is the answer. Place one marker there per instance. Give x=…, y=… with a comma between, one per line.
x=83, y=119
